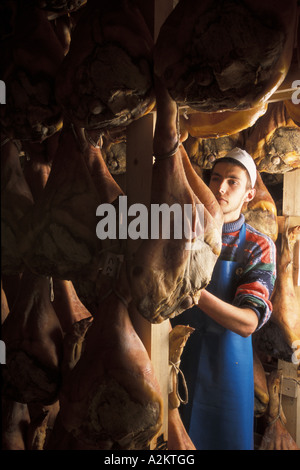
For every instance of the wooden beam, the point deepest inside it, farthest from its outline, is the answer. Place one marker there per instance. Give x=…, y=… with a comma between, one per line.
x=138, y=189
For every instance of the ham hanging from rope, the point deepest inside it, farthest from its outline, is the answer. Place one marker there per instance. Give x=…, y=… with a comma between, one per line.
x=286, y=309
x=276, y=435
x=274, y=140
x=33, y=338
x=261, y=212
x=106, y=78
x=64, y=219
x=16, y=202
x=215, y=125
x=111, y=400
x=215, y=56
x=15, y=423
x=32, y=55
x=261, y=393
x=204, y=152
x=165, y=277
x=60, y=6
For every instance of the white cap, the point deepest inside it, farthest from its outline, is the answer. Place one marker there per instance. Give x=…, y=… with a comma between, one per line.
x=245, y=159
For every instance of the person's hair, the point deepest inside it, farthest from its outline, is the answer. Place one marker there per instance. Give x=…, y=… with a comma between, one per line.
x=237, y=163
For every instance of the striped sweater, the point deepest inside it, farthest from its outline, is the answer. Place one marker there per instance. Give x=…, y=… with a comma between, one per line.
x=258, y=271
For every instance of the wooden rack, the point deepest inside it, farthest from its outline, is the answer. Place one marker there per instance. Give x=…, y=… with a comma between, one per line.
x=290, y=372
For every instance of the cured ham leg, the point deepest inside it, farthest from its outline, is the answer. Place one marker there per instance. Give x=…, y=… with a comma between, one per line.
x=178, y=438
x=38, y=161
x=285, y=304
x=16, y=201
x=106, y=78
x=204, y=152
x=261, y=212
x=216, y=125
x=60, y=232
x=165, y=277
x=216, y=56
x=42, y=419
x=178, y=337
x=111, y=399
x=30, y=61
x=276, y=436
x=260, y=386
x=15, y=424
x=274, y=140
x=67, y=305
x=33, y=338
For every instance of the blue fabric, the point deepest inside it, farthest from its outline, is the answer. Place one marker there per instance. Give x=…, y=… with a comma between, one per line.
x=218, y=367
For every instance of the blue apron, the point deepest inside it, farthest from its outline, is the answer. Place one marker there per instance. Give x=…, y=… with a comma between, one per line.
x=218, y=368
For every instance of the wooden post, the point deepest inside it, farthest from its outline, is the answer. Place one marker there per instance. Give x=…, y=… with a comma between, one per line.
x=138, y=189
x=290, y=371
x=139, y=151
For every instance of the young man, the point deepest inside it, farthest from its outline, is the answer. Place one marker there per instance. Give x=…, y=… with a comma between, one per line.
x=217, y=360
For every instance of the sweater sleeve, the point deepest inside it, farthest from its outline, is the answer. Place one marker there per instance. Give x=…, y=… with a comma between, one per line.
x=257, y=277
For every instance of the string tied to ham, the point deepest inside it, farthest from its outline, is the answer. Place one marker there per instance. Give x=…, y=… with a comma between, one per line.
x=178, y=372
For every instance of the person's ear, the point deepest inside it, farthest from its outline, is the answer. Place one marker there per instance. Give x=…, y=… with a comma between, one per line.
x=250, y=194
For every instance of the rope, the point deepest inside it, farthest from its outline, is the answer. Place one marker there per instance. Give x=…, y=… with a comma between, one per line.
x=177, y=372
x=169, y=154
x=98, y=144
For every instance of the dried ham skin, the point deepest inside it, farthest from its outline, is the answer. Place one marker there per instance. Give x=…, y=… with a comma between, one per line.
x=106, y=78
x=204, y=152
x=274, y=140
x=32, y=55
x=276, y=435
x=216, y=125
x=16, y=202
x=166, y=274
x=33, y=338
x=261, y=212
x=286, y=313
x=60, y=230
x=61, y=6
x=215, y=56
x=111, y=399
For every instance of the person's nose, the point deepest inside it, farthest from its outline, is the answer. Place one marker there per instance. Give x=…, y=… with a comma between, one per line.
x=222, y=187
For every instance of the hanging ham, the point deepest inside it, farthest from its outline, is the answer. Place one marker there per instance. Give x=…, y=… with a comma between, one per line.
x=204, y=152
x=215, y=125
x=33, y=337
x=276, y=436
x=106, y=77
x=284, y=300
x=110, y=399
x=261, y=212
x=32, y=55
x=215, y=56
x=16, y=201
x=274, y=140
x=60, y=231
x=261, y=392
x=165, y=277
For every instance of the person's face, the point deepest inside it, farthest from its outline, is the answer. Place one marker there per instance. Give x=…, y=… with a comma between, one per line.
x=228, y=183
